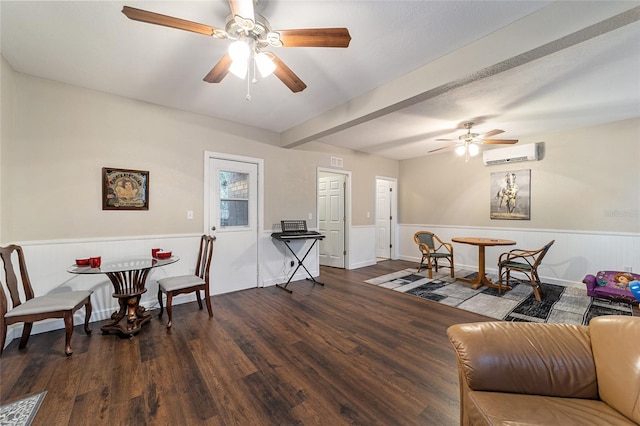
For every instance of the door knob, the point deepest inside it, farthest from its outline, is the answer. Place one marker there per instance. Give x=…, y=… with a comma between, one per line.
x=213, y=228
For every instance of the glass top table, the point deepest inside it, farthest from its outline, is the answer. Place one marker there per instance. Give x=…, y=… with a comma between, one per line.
x=128, y=276
x=123, y=265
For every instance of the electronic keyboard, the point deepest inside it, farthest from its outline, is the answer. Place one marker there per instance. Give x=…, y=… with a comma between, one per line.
x=297, y=230
x=297, y=235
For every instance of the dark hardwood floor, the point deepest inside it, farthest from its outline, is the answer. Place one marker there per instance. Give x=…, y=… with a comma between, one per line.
x=345, y=353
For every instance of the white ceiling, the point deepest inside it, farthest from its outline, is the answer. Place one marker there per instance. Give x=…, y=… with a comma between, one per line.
x=413, y=73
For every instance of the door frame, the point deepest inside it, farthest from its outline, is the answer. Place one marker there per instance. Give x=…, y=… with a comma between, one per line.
x=347, y=207
x=394, y=214
x=211, y=155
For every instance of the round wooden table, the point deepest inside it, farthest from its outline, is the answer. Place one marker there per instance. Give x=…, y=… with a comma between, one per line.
x=482, y=279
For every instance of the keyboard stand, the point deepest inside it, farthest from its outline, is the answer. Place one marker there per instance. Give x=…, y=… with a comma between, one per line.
x=300, y=261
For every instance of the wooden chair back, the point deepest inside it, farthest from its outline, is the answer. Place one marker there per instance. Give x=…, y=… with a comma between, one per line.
x=205, y=254
x=13, y=286
x=543, y=251
x=426, y=238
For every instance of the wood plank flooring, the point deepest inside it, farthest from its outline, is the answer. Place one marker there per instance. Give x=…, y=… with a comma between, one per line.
x=346, y=353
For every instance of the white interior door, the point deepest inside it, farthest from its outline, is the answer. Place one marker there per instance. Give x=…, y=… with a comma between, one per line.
x=331, y=218
x=384, y=218
x=233, y=211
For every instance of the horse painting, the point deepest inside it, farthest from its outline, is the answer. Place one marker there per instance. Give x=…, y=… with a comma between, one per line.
x=508, y=193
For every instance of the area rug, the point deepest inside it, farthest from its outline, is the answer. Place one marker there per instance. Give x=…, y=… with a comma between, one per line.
x=569, y=305
x=21, y=412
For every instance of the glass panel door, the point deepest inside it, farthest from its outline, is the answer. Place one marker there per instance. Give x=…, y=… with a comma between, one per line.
x=234, y=198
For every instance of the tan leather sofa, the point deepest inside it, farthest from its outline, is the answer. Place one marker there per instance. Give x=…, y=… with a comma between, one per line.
x=549, y=374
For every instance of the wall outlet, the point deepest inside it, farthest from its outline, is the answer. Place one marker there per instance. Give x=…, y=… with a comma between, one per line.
x=628, y=269
x=189, y=214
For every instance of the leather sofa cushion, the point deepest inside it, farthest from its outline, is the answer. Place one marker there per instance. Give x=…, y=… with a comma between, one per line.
x=494, y=408
x=527, y=358
x=616, y=352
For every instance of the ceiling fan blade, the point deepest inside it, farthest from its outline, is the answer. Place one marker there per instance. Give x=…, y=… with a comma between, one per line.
x=288, y=77
x=219, y=71
x=445, y=140
x=315, y=37
x=500, y=141
x=443, y=148
x=170, y=21
x=492, y=133
x=242, y=11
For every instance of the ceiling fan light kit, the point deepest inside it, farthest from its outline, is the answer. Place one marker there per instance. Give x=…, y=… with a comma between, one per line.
x=469, y=142
x=251, y=33
x=469, y=149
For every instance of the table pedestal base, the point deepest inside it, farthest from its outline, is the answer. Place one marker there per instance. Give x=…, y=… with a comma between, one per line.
x=482, y=279
x=129, y=319
x=479, y=281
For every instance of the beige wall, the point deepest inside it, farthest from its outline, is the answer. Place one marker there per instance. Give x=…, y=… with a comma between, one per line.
x=7, y=85
x=56, y=138
x=364, y=168
x=63, y=135
x=589, y=179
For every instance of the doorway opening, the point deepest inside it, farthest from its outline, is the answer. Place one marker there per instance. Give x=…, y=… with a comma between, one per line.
x=333, y=190
x=386, y=220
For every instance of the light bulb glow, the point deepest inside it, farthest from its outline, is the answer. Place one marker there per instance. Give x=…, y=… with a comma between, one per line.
x=265, y=64
x=239, y=68
x=461, y=150
x=239, y=51
x=473, y=149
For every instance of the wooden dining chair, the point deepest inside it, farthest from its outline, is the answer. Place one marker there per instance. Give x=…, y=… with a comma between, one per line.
x=32, y=308
x=433, y=248
x=526, y=262
x=199, y=281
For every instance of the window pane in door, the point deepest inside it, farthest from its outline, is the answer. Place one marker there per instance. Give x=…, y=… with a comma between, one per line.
x=234, y=198
x=234, y=213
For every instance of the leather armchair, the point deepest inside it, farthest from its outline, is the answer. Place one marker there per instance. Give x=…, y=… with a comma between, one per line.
x=549, y=374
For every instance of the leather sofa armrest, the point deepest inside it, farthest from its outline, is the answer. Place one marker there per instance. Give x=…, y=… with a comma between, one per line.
x=526, y=358
x=590, y=281
x=616, y=354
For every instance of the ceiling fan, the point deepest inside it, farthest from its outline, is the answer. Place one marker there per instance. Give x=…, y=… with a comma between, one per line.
x=251, y=34
x=468, y=142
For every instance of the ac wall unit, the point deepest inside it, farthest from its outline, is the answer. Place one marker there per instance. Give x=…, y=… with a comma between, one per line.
x=512, y=154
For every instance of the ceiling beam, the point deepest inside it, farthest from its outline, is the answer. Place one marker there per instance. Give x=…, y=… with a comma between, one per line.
x=565, y=24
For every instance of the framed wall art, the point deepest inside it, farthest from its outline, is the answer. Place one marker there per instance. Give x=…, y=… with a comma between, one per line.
x=124, y=189
x=511, y=195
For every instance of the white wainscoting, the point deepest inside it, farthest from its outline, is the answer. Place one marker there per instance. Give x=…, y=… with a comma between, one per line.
x=362, y=250
x=573, y=255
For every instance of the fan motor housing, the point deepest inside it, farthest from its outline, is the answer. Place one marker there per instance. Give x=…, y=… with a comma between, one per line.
x=260, y=32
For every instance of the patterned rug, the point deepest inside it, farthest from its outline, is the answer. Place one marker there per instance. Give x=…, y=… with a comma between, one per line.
x=21, y=412
x=559, y=304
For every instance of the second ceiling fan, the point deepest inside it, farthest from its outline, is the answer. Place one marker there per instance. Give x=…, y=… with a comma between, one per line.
x=468, y=143
x=251, y=34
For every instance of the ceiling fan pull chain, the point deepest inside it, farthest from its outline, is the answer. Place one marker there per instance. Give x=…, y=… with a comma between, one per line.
x=248, y=97
x=254, y=80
